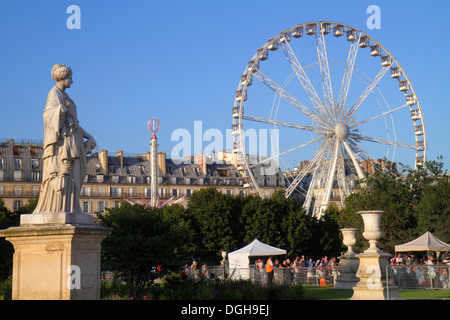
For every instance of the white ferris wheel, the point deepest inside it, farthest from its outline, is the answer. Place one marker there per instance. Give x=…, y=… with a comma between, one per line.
x=335, y=103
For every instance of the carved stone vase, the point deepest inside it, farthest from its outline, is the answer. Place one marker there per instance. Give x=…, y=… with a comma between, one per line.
x=349, y=239
x=372, y=231
x=349, y=263
x=373, y=264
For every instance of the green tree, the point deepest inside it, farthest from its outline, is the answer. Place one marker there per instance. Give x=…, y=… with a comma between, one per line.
x=215, y=221
x=7, y=220
x=417, y=198
x=433, y=210
x=143, y=238
x=330, y=235
x=29, y=207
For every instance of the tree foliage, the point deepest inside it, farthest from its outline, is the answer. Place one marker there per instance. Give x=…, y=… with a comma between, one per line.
x=143, y=238
x=7, y=220
x=414, y=202
x=224, y=222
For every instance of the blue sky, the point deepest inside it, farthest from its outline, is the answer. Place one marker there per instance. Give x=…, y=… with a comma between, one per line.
x=180, y=61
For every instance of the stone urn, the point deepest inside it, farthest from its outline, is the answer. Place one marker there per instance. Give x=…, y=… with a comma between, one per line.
x=349, y=263
x=349, y=239
x=372, y=231
x=224, y=256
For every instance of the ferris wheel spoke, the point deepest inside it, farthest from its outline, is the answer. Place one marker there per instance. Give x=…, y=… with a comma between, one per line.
x=383, y=141
x=285, y=124
x=348, y=72
x=351, y=111
x=326, y=78
x=304, y=80
x=344, y=189
x=289, y=98
x=377, y=116
x=318, y=155
x=366, y=156
x=355, y=162
x=287, y=151
x=317, y=184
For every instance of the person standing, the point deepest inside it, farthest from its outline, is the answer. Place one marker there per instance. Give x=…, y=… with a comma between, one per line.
x=431, y=271
x=269, y=270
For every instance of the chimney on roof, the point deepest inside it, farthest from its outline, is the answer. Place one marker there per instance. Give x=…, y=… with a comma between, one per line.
x=119, y=155
x=162, y=162
x=201, y=161
x=103, y=156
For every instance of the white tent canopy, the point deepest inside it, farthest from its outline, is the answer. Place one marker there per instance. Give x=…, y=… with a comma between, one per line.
x=426, y=242
x=239, y=259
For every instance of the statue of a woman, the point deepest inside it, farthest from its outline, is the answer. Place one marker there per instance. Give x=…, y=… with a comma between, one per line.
x=64, y=154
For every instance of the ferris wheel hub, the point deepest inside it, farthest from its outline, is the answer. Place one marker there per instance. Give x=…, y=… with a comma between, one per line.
x=342, y=131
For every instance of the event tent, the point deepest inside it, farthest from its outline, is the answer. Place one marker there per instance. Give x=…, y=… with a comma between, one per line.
x=239, y=259
x=426, y=242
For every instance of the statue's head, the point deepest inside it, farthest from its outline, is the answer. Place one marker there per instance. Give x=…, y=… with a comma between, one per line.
x=60, y=72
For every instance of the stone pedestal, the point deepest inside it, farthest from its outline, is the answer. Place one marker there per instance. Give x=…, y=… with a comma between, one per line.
x=371, y=272
x=56, y=218
x=348, y=267
x=55, y=261
x=348, y=264
x=372, y=278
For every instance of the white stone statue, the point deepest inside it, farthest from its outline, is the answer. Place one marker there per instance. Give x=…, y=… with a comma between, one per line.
x=65, y=150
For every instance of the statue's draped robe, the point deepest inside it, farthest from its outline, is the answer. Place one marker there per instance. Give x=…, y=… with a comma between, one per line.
x=64, y=156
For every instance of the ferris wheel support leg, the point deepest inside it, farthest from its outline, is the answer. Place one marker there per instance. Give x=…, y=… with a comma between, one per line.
x=329, y=183
x=359, y=171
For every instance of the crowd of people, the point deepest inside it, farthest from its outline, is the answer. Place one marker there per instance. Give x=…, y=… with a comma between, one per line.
x=407, y=269
x=298, y=270
x=431, y=271
x=406, y=259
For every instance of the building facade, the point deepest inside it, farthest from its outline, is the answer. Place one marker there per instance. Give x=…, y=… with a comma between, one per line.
x=112, y=178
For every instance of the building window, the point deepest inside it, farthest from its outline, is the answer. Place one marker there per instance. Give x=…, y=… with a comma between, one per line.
x=17, y=164
x=229, y=192
x=86, y=191
x=132, y=192
x=86, y=207
x=34, y=164
x=2, y=190
x=222, y=173
x=162, y=192
x=101, y=206
x=35, y=190
x=188, y=193
x=35, y=175
x=17, y=205
x=17, y=190
x=16, y=151
x=116, y=192
x=116, y=204
x=17, y=175
x=266, y=181
x=175, y=192
x=33, y=151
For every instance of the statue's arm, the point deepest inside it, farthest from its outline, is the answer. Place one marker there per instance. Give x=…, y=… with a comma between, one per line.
x=90, y=144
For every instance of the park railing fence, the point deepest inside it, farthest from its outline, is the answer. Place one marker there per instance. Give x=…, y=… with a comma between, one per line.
x=316, y=276
x=418, y=276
